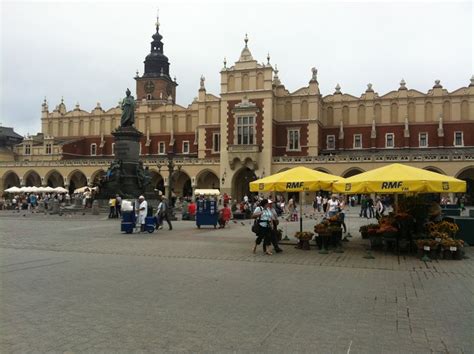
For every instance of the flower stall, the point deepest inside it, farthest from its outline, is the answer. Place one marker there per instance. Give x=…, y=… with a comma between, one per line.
x=329, y=234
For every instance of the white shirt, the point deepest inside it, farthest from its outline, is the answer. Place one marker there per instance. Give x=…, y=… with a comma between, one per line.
x=142, y=213
x=333, y=204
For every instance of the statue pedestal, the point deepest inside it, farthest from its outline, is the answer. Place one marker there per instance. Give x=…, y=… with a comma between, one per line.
x=127, y=144
x=126, y=175
x=127, y=152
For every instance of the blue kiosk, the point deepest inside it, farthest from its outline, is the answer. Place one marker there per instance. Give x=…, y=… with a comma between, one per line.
x=207, y=211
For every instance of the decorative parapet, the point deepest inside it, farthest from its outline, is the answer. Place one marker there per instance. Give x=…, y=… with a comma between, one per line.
x=375, y=158
x=147, y=161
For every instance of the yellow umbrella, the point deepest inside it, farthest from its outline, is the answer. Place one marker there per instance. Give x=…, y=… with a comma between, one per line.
x=298, y=179
x=399, y=178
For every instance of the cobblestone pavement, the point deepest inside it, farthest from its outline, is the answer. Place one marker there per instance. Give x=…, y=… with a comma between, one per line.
x=75, y=283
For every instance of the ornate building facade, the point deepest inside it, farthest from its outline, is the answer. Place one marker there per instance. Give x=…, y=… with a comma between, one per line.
x=253, y=128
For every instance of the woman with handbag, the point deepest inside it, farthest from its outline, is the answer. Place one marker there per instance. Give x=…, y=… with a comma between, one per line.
x=264, y=221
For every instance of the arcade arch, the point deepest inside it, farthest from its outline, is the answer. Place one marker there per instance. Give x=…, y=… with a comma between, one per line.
x=240, y=183
x=467, y=174
x=10, y=179
x=434, y=169
x=157, y=181
x=352, y=172
x=54, y=179
x=322, y=169
x=76, y=179
x=207, y=179
x=32, y=179
x=181, y=184
x=96, y=177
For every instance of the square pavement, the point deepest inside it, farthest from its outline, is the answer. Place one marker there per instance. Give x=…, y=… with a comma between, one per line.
x=77, y=284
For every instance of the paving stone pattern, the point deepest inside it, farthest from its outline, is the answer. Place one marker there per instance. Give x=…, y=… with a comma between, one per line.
x=76, y=284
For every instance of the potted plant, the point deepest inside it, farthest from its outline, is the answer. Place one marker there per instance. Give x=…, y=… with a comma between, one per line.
x=304, y=238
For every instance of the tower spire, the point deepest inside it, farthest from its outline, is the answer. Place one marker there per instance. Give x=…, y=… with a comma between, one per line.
x=157, y=24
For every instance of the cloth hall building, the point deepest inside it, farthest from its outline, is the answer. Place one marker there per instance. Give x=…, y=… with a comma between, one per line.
x=254, y=127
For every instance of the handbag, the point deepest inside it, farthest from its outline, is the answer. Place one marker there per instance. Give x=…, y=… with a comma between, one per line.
x=256, y=226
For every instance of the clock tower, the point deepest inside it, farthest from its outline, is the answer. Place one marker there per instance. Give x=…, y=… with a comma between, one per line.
x=156, y=83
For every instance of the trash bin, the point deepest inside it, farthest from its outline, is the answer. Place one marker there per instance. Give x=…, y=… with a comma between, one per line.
x=150, y=224
x=128, y=222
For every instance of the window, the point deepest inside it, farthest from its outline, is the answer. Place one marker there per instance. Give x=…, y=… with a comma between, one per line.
x=423, y=139
x=458, y=139
x=48, y=149
x=389, y=140
x=293, y=140
x=331, y=142
x=113, y=148
x=245, y=130
x=216, y=142
x=161, y=148
x=186, y=147
x=357, y=141
x=148, y=97
x=27, y=149
x=93, y=149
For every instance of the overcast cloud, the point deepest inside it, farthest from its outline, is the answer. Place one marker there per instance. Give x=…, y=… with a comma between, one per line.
x=89, y=51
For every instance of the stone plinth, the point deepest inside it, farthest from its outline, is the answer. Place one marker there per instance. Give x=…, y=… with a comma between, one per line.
x=126, y=175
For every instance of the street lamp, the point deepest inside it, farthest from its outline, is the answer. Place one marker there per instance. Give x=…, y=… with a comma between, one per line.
x=171, y=167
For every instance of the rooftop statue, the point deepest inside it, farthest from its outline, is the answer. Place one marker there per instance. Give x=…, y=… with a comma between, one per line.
x=128, y=110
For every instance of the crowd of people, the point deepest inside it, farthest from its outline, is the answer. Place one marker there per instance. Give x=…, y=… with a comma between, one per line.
x=31, y=201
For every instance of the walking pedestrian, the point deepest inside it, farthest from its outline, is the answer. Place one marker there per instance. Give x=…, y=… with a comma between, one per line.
x=163, y=213
x=118, y=206
x=264, y=219
x=342, y=213
x=325, y=205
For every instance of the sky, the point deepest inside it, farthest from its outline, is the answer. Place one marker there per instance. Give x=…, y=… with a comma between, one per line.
x=89, y=51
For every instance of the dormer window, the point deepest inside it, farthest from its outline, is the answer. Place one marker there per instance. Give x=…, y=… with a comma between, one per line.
x=27, y=149
x=49, y=149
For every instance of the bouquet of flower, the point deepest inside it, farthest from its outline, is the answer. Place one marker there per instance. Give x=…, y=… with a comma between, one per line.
x=322, y=227
x=304, y=236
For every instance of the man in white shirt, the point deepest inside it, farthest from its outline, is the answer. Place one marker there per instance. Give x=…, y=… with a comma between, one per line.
x=142, y=212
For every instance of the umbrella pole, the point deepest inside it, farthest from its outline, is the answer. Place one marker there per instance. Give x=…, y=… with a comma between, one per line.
x=301, y=212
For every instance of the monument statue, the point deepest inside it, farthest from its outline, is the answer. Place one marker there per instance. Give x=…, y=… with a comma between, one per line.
x=128, y=111
x=127, y=175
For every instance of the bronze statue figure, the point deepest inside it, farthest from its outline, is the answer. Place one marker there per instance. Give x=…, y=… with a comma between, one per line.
x=128, y=110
